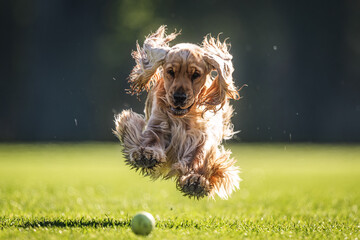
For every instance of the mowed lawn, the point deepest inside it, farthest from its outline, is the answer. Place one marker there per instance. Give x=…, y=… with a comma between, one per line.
x=84, y=191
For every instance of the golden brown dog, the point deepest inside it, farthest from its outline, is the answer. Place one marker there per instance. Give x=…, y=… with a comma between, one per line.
x=187, y=115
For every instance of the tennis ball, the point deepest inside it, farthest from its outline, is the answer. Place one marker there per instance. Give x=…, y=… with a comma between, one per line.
x=142, y=223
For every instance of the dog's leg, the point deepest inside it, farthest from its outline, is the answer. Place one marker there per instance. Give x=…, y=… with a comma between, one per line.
x=222, y=173
x=209, y=173
x=191, y=177
x=142, y=148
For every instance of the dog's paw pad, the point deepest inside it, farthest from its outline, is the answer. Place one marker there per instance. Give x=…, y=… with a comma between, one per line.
x=146, y=158
x=146, y=162
x=194, y=185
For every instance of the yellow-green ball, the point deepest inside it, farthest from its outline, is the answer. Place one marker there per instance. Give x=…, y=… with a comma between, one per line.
x=142, y=223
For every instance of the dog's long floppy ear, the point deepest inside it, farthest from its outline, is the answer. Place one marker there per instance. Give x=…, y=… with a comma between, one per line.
x=148, y=59
x=216, y=54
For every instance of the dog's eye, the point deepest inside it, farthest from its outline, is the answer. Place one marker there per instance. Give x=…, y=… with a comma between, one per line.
x=195, y=75
x=171, y=72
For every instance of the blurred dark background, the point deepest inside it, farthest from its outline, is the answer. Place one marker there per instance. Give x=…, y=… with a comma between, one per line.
x=64, y=65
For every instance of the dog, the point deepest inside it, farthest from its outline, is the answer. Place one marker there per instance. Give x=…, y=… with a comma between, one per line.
x=187, y=115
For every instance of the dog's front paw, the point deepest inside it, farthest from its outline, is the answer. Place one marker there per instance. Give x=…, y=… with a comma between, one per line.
x=146, y=159
x=194, y=185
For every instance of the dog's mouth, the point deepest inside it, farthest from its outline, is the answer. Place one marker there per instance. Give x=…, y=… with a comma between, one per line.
x=178, y=111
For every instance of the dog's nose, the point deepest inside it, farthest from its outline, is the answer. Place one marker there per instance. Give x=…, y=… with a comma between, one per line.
x=179, y=98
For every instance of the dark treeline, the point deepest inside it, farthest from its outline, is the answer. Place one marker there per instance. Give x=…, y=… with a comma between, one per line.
x=64, y=65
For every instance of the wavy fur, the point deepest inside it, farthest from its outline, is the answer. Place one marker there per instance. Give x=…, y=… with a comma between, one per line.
x=184, y=142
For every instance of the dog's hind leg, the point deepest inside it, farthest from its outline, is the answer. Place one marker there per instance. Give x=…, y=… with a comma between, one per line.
x=222, y=173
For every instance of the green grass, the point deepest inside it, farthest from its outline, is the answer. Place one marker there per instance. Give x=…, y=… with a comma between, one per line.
x=84, y=191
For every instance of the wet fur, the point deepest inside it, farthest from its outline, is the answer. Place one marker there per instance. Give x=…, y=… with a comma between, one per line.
x=187, y=148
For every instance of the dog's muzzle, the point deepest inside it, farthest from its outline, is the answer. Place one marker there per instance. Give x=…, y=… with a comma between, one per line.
x=179, y=112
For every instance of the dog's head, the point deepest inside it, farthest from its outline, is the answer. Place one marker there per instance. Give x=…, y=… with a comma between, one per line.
x=186, y=71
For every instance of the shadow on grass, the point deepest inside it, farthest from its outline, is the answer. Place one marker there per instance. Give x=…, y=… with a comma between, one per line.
x=62, y=223
x=87, y=222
